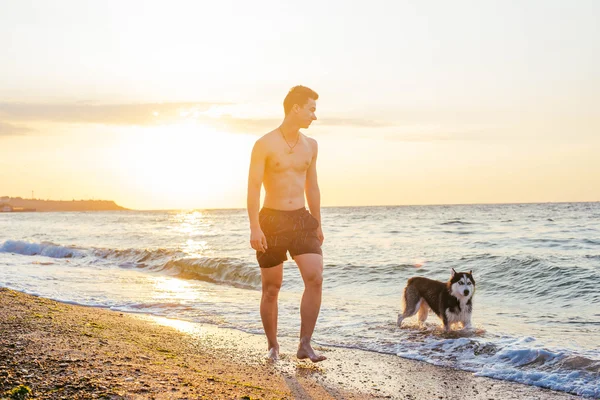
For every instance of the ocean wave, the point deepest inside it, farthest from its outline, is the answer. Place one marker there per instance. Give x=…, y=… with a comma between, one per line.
x=46, y=249
x=590, y=241
x=139, y=257
x=535, y=278
x=517, y=360
x=457, y=222
x=460, y=232
x=383, y=269
x=228, y=271
x=550, y=369
x=222, y=270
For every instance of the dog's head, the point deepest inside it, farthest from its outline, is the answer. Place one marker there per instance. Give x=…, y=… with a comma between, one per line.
x=462, y=284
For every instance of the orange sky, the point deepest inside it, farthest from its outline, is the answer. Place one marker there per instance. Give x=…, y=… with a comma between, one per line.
x=158, y=106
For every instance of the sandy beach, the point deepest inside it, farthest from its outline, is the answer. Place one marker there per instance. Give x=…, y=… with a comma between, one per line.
x=52, y=350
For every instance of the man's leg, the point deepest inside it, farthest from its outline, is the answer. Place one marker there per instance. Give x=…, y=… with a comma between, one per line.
x=271, y=283
x=311, y=269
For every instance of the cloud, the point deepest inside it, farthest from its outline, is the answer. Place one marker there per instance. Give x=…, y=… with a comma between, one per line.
x=158, y=113
x=357, y=122
x=243, y=125
x=7, y=129
x=228, y=117
x=238, y=124
x=438, y=136
x=110, y=114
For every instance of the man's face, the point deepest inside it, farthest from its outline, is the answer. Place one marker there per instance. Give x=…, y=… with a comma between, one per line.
x=306, y=114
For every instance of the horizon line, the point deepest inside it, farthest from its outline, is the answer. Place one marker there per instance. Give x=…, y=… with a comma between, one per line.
x=382, y=206
x=340, y=206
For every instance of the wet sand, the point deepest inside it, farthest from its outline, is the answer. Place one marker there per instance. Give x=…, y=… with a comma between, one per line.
x=61, y=351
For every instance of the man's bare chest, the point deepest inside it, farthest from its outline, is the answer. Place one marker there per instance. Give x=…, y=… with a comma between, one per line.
x=283, y=161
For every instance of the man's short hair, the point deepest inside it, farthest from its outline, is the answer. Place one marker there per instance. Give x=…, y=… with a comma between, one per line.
x=298, y=95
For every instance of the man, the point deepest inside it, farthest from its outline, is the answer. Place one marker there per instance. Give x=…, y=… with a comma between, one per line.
x=285, y=162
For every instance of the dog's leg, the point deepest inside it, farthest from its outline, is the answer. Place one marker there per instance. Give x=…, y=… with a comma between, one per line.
x=411, y=303
x=399, y=320
x=467, y=324
x=446, y=322
x=423, y=312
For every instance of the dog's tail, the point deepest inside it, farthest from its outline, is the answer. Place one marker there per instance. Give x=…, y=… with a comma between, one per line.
x=403, y=305
x=411, y=301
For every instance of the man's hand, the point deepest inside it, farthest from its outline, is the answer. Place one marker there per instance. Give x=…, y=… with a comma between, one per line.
x=320, y=234
x=258, y=240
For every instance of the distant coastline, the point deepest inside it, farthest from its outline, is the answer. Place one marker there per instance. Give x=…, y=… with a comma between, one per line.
x=18, y=204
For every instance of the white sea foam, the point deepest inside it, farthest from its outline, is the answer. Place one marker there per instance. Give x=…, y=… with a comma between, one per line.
x=45, y=249
x=515, y=359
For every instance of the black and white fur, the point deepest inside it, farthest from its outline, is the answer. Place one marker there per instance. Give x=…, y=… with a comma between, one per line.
x=452, y=301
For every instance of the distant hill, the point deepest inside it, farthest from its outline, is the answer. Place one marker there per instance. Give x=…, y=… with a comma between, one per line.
x=60, y=205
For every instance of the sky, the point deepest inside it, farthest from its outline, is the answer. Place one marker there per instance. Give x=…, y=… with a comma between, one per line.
x=156, y=104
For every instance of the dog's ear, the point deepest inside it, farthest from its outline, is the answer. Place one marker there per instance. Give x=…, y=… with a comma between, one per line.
x=453, y=273
x=471, y=272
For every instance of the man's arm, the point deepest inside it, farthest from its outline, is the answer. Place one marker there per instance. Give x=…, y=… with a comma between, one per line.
x=255, y=180
x=313, y=194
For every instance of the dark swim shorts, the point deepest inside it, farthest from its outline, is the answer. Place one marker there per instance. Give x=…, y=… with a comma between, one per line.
x=294, y=231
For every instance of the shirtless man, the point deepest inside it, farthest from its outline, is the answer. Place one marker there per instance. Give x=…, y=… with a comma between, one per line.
x=285, y=162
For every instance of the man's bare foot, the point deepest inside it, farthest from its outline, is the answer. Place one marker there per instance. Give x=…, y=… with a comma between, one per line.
x=273, y=354
x=306, y=351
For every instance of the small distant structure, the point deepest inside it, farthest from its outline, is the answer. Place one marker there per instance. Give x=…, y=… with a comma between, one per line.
x=5, y=207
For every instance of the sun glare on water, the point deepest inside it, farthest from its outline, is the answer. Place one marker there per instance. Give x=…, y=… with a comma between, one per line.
x=182, y=326
x=168, y=288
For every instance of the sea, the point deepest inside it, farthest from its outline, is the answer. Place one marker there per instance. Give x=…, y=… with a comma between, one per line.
x=536, y=267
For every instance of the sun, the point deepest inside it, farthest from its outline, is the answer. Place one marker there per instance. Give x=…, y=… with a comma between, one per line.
x=185, y=165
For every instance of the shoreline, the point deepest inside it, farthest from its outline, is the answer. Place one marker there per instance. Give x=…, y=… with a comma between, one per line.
x=60, y=350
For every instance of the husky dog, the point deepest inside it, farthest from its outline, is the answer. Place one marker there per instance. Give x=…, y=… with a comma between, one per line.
x=451, y=301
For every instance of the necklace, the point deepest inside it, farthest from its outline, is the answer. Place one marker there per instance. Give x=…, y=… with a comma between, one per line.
x=291, y=148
